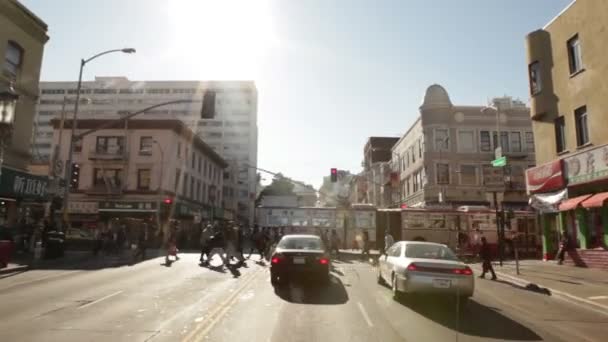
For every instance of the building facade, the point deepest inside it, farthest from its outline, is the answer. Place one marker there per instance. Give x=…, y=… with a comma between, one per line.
x=232, y=133
x=445, y=158
x=567, y=73
x=377, y=154
x=22, y=39
x=141, y=171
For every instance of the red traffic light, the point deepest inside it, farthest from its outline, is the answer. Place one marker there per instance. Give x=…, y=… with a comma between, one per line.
x=334, y=174
x=168, y=201
x=334, y=171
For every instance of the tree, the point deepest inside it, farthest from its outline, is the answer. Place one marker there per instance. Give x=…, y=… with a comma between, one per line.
x=280, y=186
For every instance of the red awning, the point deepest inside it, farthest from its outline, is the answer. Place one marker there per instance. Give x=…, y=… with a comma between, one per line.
x=572, y=203
x=596, y=200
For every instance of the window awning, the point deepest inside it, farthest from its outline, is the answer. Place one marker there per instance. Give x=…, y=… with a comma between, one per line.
x=596, y=200
x=572, y=203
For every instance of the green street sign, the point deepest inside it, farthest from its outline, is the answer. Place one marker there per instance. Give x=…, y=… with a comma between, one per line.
x=500, y=162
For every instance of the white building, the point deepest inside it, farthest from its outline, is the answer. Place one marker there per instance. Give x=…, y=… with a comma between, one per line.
x=232, y=133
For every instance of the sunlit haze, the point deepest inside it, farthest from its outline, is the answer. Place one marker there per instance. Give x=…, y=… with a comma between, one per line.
x=329, y=73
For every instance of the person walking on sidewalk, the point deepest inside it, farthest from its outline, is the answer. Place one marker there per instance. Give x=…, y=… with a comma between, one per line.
x=142, y=240
x=365, y=250
x=388, y=240
x=486, y=256
x=564, y=246
x=335, y=242
x=205, y=241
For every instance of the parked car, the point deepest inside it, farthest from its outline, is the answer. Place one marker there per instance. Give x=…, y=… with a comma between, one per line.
x=413, y=267
x=299, y=255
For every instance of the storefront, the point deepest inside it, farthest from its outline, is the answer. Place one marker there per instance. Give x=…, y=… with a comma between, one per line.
x=22, y=196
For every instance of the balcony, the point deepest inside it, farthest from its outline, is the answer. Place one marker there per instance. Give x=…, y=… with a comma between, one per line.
x=108, y=154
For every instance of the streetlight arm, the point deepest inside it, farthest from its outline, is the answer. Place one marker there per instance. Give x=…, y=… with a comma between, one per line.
x=126, y=50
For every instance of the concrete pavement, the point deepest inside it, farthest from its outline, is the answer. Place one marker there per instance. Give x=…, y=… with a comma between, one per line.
x=185, y=302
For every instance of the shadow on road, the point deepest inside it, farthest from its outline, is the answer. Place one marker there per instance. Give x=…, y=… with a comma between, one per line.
x=474, y=319
x=530, y=287
x=308, y=291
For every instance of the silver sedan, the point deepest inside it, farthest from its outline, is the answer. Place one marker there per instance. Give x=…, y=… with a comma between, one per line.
x=413, y=267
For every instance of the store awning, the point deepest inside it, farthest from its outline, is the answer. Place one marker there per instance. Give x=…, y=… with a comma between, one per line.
x=572, y=203
x=596, y=200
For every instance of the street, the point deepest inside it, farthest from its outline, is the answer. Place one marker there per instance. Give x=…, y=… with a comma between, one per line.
x=185, y=302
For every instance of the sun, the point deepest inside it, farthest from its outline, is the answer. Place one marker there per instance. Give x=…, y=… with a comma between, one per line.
x=227, y=39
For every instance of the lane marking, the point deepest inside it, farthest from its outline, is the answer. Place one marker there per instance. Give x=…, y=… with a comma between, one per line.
x=597, y=297
x=101, y=299
x=213, y=317
x=365, y=315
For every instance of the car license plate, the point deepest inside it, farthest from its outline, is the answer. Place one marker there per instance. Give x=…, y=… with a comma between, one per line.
x=299, y=260
x=441, y=283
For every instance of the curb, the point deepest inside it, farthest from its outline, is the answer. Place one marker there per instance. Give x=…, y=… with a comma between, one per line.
x=4, y=271
x=565, y=295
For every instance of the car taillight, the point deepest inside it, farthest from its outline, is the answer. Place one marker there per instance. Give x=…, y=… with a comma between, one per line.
x=324, y=261
x=463, y=271
x=275, y=259
x=412, y=267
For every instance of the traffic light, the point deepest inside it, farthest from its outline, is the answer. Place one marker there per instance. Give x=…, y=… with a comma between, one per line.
x=168, y=201
x=334, y=175
x=75, y=178
x=208, y=109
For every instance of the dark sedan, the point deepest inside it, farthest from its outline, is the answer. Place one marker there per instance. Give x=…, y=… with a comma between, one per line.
x=299, y=255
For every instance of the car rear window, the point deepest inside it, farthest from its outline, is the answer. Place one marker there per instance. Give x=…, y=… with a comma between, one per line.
x=300, y=243
x=424, y=251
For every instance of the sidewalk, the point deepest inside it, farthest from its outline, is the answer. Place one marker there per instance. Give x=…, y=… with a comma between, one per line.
x=586, y=286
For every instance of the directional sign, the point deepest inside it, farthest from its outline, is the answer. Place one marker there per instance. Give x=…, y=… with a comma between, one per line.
x=500, y=162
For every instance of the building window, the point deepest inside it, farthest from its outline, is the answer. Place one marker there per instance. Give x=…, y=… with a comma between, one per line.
x=443, y=174
x=112, y=145
x=535, y=80
x=192, y=184
x=200, y=163
x=193, y=160
x=107, y=177
x=78, y=145
x=442, y=142
x=574, y=55
x=198, y=190
x=179, y=149
x=146, y=145
x=420, y=148
x=485, y=143
x=529, y=142
x=516, y=141
x=143, y=179
x=13, y=58
x=413, y=154
x=468, y=175
x=504, y=141
x=560, y=134
x=582, y=131
x=466, y=141
x=178, y=174
x=185, y=185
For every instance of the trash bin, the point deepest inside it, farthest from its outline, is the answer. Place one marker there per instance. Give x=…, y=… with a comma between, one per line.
x=6, y=249
x=55, y=245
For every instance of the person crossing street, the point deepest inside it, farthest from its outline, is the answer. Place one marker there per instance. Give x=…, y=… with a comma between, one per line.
x=486, y=256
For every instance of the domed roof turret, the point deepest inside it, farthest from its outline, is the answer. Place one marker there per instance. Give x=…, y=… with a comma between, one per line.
x=436, y=97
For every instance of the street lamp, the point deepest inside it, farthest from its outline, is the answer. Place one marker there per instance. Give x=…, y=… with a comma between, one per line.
x=8, y=103
x=68, y=169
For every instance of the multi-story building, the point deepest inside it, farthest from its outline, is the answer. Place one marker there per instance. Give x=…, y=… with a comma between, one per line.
x=568, y=73
x=141, y=171
x=22, y=39
x=376, y=170
x=232, y=133
x=445, y=157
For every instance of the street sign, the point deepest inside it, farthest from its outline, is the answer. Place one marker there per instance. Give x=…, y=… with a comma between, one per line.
x=500, y=162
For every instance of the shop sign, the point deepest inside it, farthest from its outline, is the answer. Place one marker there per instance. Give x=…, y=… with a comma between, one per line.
x=83, y=208
x=545, y=177
x=15, y=184
x=125, y=206
x=587, y=166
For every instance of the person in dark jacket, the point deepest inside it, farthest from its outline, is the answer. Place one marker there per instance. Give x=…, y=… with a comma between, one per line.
x=564, y=246
x=142, y=241
x=486, y=256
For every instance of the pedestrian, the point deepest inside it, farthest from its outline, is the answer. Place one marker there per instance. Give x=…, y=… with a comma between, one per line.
x=172, y=245
x=98, y=244
x=205, y=240
x=232, y=247
x=121, y=238
x=142, y=242
x=388, y=240
x=365, y=250
x=257, y=240
x=325, y=239
x=485, y=253
x=335, y=242
x=564, y=246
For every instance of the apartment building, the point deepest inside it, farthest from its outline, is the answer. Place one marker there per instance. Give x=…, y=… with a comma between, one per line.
x=373, y=179
x=232, y=133
x=140, y=171
x=22, y=39
x=444, y=158
x=568, y=73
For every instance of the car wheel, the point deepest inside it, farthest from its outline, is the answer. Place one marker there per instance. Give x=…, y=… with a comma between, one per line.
x=397, y=295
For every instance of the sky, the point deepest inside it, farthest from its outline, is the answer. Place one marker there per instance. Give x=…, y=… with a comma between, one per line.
x=329, y=73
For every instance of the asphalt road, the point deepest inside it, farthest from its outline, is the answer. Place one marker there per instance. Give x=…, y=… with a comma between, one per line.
x=185, y=302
